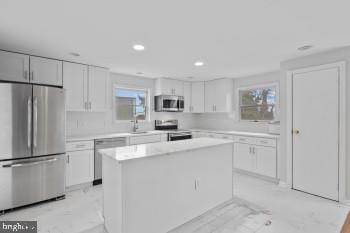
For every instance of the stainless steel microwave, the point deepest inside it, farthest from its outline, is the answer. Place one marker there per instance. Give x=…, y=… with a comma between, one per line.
x=168, y=103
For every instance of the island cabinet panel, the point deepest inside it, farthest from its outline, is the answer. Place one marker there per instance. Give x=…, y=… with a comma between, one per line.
x=160, y=193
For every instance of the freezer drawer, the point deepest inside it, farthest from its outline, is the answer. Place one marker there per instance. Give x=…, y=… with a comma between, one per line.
x=26, y=181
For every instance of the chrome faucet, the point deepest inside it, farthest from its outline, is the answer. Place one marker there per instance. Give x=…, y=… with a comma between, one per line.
x=136, y=125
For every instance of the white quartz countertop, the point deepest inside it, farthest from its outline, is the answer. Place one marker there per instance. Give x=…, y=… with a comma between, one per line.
x=242, y=133
x=113, y=135
x=122, y=154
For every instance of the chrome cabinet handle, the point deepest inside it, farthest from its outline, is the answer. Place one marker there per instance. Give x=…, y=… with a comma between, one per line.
x=29, y=124
x=35, y=123
x=67, y=158
x=28, y=164
x=31, y=76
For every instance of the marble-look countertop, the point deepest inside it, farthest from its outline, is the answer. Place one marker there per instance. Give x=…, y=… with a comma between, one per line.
x=241, y=133
x=126, y=153
x=113, y=135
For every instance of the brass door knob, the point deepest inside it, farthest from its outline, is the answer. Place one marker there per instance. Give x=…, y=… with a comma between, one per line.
x=295, y=131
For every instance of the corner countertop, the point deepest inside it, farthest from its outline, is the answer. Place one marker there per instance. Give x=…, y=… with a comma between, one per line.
x=113, y=135
x=241, y=133
x=122, y=154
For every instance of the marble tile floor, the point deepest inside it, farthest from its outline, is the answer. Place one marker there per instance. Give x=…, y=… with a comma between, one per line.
x=259, y=207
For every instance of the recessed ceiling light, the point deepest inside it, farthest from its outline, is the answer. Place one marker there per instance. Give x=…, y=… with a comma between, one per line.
x=74, y=54
x=199, y=63
x=139, y=47
x=305, y=47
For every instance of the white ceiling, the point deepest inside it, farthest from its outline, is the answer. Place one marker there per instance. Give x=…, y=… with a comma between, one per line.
x=232, y=37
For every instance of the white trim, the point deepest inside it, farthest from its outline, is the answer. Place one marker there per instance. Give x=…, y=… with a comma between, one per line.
x=132, y=87
x=283, y=184
x=277, y=105
x=342, y=123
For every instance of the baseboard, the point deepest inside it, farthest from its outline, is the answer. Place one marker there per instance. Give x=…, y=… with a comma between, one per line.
x=283, y=184
x=78, y=186
x=345, y=202
x=255, y=175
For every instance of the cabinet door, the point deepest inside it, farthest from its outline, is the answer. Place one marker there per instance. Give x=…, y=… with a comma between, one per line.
x=14, y=67
x=197, y=97
x=75, y=83
x=210, y=96
x=266, y=161
x=98, y=78
x=80, y=167
x=46, y=71
x=178, y=87
x=187, y=97
x=243, y=158
x=223, y=95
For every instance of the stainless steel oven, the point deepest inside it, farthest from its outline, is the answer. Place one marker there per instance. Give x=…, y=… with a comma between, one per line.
x=168, y=103
x=175, y=136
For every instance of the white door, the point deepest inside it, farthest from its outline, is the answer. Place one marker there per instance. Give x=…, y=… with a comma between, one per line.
x=14, y=67
x=197, y=99
x=80, y=167
x=266, y=161
x=187, y=96
x=210, y=96
x=315, y=132
x=242, y=157
x=75, y=83
x=46, y=71
x=97, y=96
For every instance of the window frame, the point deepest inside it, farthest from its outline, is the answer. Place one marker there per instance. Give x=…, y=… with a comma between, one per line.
x=137, y=88
x=276, y=85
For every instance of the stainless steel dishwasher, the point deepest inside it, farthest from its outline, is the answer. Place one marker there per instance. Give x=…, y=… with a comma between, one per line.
x=104, y=143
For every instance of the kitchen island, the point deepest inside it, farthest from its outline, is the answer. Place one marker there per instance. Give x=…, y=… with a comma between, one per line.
x=159, y=186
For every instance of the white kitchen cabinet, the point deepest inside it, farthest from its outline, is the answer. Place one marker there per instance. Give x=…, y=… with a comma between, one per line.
x=197, y=97
x=165, y=86
x=187, y=96
x=242, y=157
x=254, y=158
x=219, y=95
x=98, y=78
x=266, y=163
x=80, y=163
x=86, y=87
x=46, y=71
x=75, y=82
x=14, y=67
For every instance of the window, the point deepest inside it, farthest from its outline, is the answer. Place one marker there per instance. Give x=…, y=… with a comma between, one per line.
x=258, y=103
x=130, y=103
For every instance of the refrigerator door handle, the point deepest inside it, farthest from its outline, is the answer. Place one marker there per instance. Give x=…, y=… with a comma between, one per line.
x=35, y=123
x=29, y=164
x=29, y=129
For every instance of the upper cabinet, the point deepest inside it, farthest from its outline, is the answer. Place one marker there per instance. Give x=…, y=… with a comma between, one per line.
x=187, y=96
x=75, y=82
x=197, y=97
x=30, y=69
x=165, y=86
x=46, y=71
x=219, y=95
x=86, y=87
x=14, y=67
x=98, y=78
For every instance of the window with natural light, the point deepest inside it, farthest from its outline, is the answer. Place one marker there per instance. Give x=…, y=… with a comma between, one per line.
x=130, y=104
x=258, y=103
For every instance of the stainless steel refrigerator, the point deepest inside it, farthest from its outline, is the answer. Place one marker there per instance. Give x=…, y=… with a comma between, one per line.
x=32, y=144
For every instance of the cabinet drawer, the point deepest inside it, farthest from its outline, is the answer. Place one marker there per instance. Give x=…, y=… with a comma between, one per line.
x=266, y=142
x=144, y=139
x=243, y=139
x=81, y=145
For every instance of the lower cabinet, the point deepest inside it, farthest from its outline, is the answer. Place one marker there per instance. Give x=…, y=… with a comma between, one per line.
x=135, y=140
x=258, y=159
x=80, y=163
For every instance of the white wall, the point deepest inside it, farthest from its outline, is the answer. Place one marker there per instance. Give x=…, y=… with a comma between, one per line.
x=80, y=123
x=342, y=54
x=228, y=121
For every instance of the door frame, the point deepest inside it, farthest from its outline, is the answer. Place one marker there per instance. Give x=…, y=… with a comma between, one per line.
x=341, y=66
